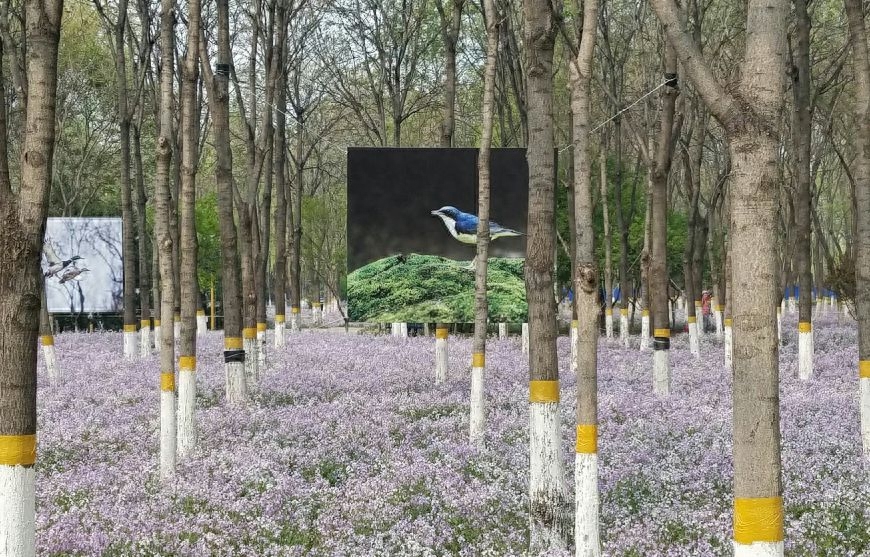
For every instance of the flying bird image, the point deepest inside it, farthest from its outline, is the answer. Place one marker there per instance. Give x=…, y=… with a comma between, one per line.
x=72, y=274
x=55, y=263
x=463, y=226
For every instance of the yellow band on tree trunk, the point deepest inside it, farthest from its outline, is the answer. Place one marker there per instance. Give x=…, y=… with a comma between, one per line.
x=644, y=313
x=129, y=328
x=167, y=381
x=17, y=450
x=187, y=363
x=156, y=322
x=729, y=322
x=441, y=332
x=279, y=318
x=666, y=333
x=478, y=359
x=623, y=311
x=587, y=439
x=544, y=391
x=758, y=520
x=294, y=310
x=261, y=327
x=232, y=343
x=864, y=369
x=249, y=333
x=47, y=340
x=200, y=312
x=805, y=327
x=693, y=319
x=146, y=323
x=608, y=312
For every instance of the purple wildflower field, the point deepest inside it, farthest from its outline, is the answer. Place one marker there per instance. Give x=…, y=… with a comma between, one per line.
x=347, y=448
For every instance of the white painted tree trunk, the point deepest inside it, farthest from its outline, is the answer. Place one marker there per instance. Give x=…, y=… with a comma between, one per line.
x=403, y=330
x=441, y=356
x=644, y=330
x=236, y=386
x=720, y=323
x=792, y=304
x=261, y=347
x=699, y=314
x=586, y=542
x=623, y=327
x=279, y=331
x=157, y=337
x=694, y=341
x=168, y=431
x=294, y=320
x=779, y=325
x=177, y=329
x=608, y=323
x=782, y=305
x=502, y=330
x=805, y=351
x=661, y=373
x=201, y=322
x=525, y=338
x=548, y=494
x=145, y=339
x=50, y=357
x=17, y=511
x=131, y=343
x=477, y=414
x=252, y=371
x=759, y=549
x=864, y=388
x=573, y=340
x=186, y=406
x=729, y=346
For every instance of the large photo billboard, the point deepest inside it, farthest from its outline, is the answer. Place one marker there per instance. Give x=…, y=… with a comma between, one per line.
x=412, y=231
x=82, y=264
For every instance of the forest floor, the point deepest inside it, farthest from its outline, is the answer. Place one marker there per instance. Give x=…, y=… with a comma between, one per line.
x=347, y=448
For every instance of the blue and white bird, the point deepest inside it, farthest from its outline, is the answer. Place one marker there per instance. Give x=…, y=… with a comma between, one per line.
x=463, y=226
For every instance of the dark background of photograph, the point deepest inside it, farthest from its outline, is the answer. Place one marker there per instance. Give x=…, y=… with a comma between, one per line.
x=392, y=191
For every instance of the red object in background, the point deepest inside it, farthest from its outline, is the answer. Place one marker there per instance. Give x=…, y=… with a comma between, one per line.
x=705, y=302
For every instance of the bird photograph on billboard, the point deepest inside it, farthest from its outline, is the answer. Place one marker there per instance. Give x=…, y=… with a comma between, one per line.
x=82, y=266
x=412, y=234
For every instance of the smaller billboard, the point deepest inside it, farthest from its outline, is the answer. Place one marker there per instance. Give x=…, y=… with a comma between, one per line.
x=82, y=265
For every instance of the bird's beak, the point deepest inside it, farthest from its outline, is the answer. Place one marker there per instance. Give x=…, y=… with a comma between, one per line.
x=436, y=213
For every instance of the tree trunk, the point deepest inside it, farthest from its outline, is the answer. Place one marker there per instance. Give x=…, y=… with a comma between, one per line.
x=659, y=280
x=623, y=225
x=608, y=243
x=296, y=245
x=586, y=532
x=750, y=117
x=861, y=172
x=549, y=507
x=450, y=26
x=129, y=229
x=481, y=306
x=21, y=236
x=188, y=263
x=218, y=81
x=801, y=141
x=163, y=215
x=692, y=166
x=46, y=339
x=645, y=256
x=144, y=261
x=279, y=163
